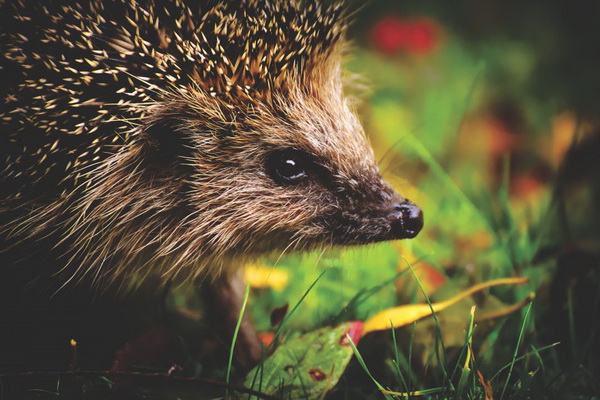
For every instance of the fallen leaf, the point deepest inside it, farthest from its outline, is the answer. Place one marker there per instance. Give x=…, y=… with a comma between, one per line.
x=407, y=314
x=308, y=366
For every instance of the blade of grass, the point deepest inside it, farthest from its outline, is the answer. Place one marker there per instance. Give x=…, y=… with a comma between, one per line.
x=438, y=337
x=466, y=371
x=235, y=335
x=397, y=358
x=424, y=392
x=537, y=355
x=453, y=187
x=571, y=316
x=362, y=363
x=523, y=357
x=514, y=359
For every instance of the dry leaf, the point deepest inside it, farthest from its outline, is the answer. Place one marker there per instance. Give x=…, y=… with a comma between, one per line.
x=407, y=314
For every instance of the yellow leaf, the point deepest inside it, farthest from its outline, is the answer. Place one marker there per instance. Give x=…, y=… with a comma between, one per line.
x=504, y=311
x=404, y=315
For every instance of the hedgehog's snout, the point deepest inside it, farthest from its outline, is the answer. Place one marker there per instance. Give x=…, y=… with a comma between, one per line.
x=406, y=220
x=390, y=217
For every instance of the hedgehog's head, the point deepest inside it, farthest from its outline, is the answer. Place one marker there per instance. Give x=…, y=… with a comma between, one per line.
x=271, y=154
x=251, y=148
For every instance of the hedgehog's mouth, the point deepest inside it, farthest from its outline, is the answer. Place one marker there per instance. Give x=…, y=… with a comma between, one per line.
x=392, y=221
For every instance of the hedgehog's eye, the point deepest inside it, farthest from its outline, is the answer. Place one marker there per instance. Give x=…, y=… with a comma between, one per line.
x=288, y=166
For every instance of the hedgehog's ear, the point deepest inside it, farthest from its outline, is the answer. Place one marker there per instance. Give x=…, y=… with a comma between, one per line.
x=166, y=142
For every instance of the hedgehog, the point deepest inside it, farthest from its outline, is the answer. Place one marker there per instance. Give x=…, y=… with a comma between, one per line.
x=159, y=141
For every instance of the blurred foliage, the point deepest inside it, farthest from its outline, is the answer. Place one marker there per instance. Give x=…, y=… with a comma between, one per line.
x=484, y=114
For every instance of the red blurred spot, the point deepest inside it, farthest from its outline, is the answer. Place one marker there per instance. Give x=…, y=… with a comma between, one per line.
x=266, y=338
x=526, y=185
x=417, y=36
x=354, y=331
x=435, y=278
x=502, y=139
x=389, y=35
x=422, y=37
x=317, y=375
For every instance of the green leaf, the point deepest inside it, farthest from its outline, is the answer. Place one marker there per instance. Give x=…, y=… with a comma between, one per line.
x=309, y=365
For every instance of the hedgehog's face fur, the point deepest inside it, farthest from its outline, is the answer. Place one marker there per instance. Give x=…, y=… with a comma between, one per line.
x=174, y=140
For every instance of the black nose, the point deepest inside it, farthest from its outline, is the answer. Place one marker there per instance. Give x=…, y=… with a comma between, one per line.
x=406, y=220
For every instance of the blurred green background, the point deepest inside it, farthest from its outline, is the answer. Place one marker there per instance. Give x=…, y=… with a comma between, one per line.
x=484, y=113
